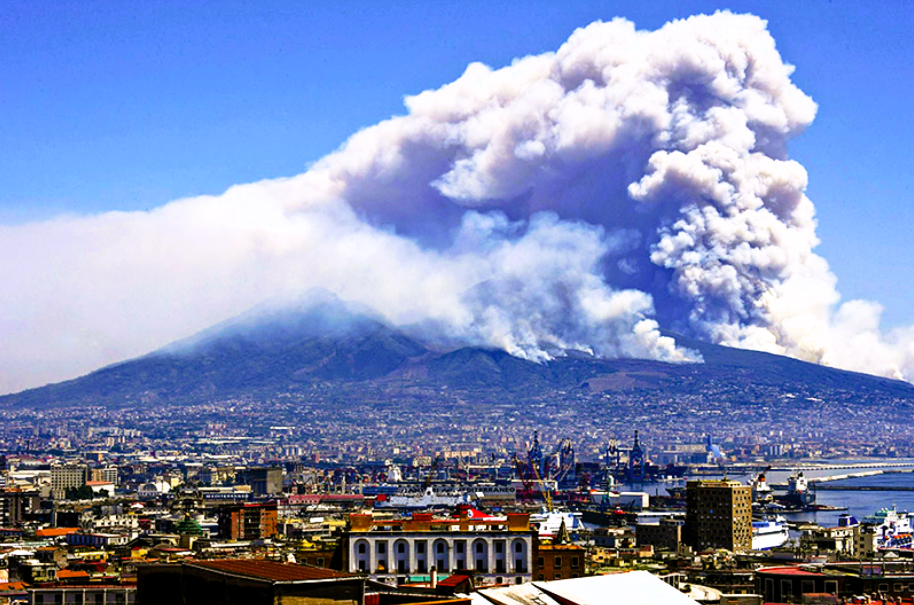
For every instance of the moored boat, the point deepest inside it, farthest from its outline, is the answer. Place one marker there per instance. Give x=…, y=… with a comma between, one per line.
x=769, y=533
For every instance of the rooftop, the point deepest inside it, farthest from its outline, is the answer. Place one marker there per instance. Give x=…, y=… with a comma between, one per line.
x=270, y=570
x=53, y=532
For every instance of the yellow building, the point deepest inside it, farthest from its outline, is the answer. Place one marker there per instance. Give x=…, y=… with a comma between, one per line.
x=718, y=515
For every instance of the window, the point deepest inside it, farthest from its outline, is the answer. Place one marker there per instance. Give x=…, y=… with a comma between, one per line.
x=518, y=547
x=479, y=547
x=381, y=548
x=574, y=561
x=439, y=548
x=499, y=547
x=420, y=547
x=518, y=580
x=361, y=548
x=401, y=548
x=541, y=577
x=558, y=576
x=320, y=561
x=558, y=561
x=541, y=562
x=458, y=546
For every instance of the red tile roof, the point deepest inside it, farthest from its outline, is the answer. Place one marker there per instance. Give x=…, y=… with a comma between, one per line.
x=53, y=532
x=270, y=570
x=453, y=580
x=67, y=574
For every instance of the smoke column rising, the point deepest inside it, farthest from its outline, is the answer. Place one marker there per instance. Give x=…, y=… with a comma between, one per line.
x=572, y=200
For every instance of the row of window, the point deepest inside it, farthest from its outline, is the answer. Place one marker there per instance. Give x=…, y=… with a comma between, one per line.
x=481, y=565
x=557, y=576
x=78, y=597
x=541, y=562
x=440, y=547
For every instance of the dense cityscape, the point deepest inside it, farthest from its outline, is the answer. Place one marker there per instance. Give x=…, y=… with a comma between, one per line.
x=127, y=506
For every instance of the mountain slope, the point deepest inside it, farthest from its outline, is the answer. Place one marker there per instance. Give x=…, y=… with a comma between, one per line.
x=322, y=342
x=265, y=351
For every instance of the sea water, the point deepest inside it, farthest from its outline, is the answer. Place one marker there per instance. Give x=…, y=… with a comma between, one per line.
x=858, y=503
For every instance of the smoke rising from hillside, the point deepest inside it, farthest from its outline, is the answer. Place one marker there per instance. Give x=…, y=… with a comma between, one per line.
x=572, y=200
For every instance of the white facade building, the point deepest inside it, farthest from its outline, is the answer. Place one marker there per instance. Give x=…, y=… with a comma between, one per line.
x=397, y=551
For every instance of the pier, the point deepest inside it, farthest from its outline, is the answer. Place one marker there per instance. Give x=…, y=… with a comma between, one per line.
x=866, y=488
x=863, y=465
x=817, y=482
x=845, y=476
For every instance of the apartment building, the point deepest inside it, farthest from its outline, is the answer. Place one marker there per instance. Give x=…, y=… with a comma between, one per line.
x=718, y=515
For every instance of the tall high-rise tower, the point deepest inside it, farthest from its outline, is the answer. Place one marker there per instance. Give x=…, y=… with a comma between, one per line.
x=718, y=515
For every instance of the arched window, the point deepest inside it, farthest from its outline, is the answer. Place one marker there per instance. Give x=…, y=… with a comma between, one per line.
x=362, y=558
x=442, y=559
x=521, y=556
x=402, y=562
x=481, y=555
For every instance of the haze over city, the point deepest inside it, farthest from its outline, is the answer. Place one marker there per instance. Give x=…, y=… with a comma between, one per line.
x=539, y=188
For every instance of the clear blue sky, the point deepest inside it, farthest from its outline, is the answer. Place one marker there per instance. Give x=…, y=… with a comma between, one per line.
x=127, y=105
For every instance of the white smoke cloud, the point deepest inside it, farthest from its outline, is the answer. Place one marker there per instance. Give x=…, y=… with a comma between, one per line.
x=571, y=200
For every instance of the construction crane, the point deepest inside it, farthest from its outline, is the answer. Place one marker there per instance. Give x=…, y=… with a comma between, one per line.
x=527, y=493
x=544, y=489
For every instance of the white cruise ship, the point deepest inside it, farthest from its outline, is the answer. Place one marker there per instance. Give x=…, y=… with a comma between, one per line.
x=768, y=533
x=549, y=523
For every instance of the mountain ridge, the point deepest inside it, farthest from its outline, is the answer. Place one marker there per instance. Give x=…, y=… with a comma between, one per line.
x=277, y=349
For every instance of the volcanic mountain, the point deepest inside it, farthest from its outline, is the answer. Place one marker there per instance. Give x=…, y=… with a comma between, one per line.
x=280, y=350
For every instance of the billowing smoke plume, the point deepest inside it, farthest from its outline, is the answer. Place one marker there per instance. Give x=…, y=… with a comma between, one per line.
x=572, y=200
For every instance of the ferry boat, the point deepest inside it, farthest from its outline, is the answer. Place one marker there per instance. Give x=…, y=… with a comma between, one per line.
x=769, y=533
x=423, y=498
x=893, y=529
x=437, y=495
x=549, y=523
